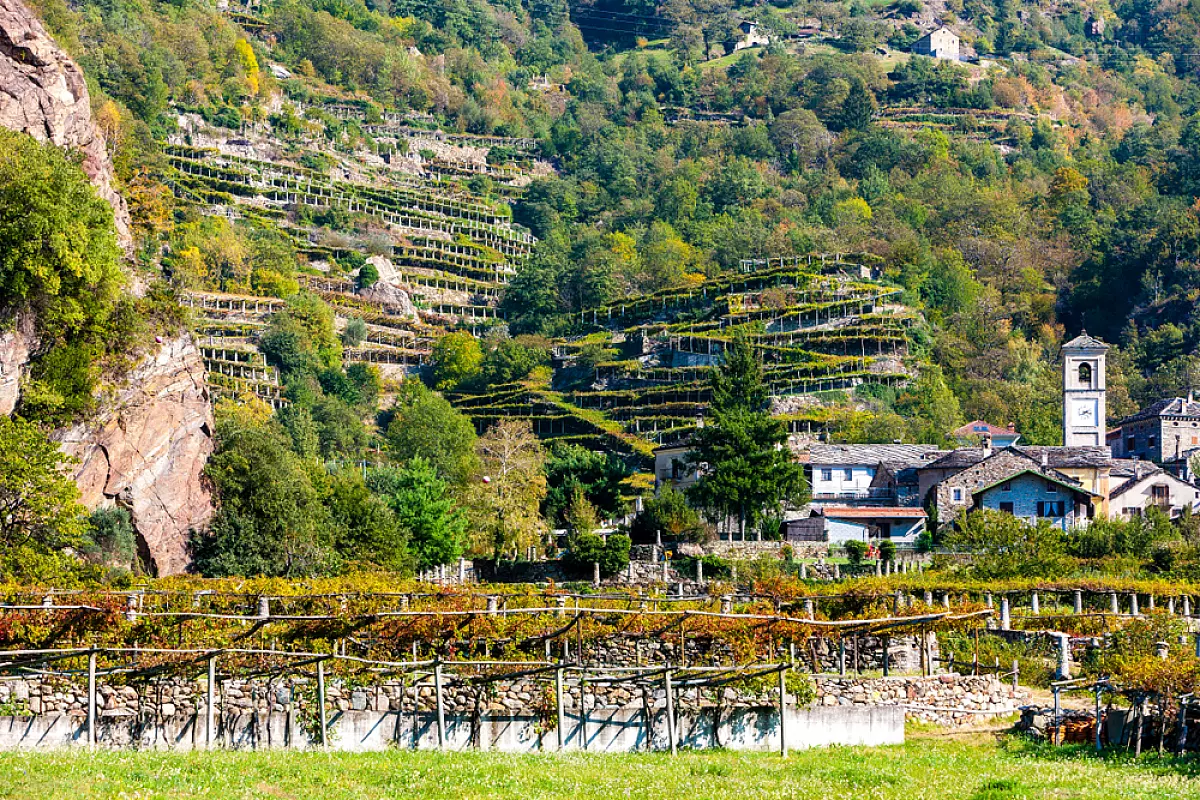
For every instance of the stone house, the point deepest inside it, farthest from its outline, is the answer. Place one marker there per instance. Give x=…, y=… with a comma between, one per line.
x=1167, y=431
x=1020, y=481
x=671, y=469
x=940, y=43
x=974, y=433
x=751, y=36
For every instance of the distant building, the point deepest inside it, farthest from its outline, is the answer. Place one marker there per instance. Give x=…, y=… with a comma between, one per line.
x=671, y=468
x=1095, y=27
x=941, y=43
x=867, y=474
x=1139, y=486
x=1166, y=432
x=900, y=524
x=751, y=37
x=974, y=433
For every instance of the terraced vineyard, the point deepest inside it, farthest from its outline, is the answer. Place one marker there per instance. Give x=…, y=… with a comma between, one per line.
x=821, y=324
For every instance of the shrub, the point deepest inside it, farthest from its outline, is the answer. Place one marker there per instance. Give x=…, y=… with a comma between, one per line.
x=887, y=550
x=355, y=332
x=368, y=276
x=589, y=548
x=856, y=551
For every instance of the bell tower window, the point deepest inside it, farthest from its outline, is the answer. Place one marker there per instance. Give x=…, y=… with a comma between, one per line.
x=1085, y=376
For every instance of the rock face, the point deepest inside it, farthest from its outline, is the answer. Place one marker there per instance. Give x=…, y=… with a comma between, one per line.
x=146, y=450
x=43, y=93
x=386, y=291
x=15, y=344
x=147, y=447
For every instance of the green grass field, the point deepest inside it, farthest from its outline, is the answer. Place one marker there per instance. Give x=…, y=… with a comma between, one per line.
x=925, y=768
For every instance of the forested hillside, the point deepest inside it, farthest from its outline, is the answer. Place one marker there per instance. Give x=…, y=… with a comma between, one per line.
x=559, y=216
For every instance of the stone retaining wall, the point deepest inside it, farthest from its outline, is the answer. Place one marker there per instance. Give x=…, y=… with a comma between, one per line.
x=945, y=699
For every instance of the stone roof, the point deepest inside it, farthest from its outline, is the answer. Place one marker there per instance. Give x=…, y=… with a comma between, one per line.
x=1156, y=474
x=1056, y=457
x=1167, y=407
x=1084, y=341
x=897, y=455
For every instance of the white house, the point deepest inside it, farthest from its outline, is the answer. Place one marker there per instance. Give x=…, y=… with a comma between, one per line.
x=751, y=37
x=941, y=43
x=857, y=473
x=1147, y=486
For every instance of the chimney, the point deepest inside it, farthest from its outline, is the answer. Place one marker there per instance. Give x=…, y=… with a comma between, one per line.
x=1012, y=427
x=1045, y=459
x=1137, y=469
x=987, y=445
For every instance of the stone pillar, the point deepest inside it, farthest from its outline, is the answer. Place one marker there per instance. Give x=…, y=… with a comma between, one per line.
x=1171, y=606
x=1034, y=603
x=1187, y=605
x=1114, y=603
x=809, y=608
x=988, y=600
x=1064, y=657
x=1078, y=600
x=1133, y=605
x=1005, y=619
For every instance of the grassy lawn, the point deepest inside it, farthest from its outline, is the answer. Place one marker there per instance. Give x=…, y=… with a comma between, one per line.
x=934, y=768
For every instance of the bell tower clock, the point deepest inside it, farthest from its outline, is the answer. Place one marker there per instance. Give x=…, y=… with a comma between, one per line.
x=1084, y=410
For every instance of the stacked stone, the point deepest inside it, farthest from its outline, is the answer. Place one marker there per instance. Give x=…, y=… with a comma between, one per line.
x=944, y=699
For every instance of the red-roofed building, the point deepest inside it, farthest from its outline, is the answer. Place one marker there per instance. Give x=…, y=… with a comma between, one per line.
x=973, y=433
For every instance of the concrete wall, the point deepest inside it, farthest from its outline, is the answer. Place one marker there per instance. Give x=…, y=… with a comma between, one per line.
x=603, y=730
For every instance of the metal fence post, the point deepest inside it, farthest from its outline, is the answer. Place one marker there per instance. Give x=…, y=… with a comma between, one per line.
x=321, y=704
x=670, y=712
x=558, y=692
x=91, y=698
x=441, y=705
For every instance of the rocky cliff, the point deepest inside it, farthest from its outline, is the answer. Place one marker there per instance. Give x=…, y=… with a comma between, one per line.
x=147, y=447
x=43, y=93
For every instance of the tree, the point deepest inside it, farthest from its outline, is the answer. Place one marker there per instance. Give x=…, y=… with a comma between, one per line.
x=424, y=424
x=597, y=475
x=39, y=503
x=364, y=527
x=58, y=258
x=270, y=519
x=580, y=515
x=669, y=513
x=423, y=506
x=111, y=539
x=504, y=502
x=456, y=359
x=749, y=473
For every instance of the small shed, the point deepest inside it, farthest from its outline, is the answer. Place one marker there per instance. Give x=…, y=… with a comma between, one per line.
x=941, y=43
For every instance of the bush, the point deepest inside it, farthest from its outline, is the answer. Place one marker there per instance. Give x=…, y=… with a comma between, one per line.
x=856, y=551
x=111, y=540
x=368, y=276
x=887, y=550
x=590, y=548
x=355, y=332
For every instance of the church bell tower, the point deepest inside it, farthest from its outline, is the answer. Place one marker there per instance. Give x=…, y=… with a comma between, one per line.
x=1084, y=411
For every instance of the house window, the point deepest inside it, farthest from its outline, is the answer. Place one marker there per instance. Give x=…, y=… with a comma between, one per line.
x=1051, y=508
x=1152, y=440
x=1085, y=375
x=1130, y=443
x=1052, y=488
x=1006, y=486
x=1006, y=507
x=848, y=474
x=1160, y=494
x=826, y=474
x=956, y=495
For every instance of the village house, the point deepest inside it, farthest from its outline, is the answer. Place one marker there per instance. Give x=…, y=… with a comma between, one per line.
x=940, y=43
x=671, y=468
x=1139, y=486
x=867, y=474
x=866, y=523
x=1019, y=481
x=1167, y=432
x=973, y=433
x=751, y=36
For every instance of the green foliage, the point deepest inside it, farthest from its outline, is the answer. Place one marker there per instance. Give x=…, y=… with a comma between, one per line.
x=368, y=276
x=110, y=539
x=301, y=339
x=456, y=359
x=610, y=552
x=596, y=475
x=669, y=512
x=39, y=503
x=1004, y=546
x=511, y=360
x=58, y=261
x=424, y=424
x=750, y=473
x=423, y=506
x=856, y=551
x=355, y=332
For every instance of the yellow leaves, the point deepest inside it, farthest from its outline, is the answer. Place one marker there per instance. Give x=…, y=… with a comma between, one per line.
x=854, y=211
x=248, y=62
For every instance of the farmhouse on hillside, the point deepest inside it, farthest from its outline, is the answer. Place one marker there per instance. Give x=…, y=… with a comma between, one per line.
x=941, y=43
